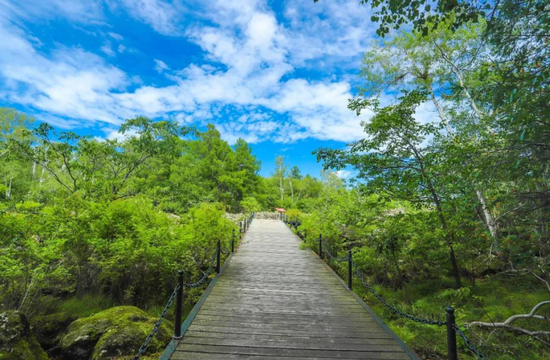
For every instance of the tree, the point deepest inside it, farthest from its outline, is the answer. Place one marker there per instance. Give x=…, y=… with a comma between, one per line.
x=393, y=160
x=280, y=174
x=79, y=164
x=210, y=170
x=440, y=63
x=15, y=181
x=250, y=205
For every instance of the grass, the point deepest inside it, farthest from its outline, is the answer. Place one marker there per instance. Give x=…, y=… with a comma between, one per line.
x=493, y=298
x=84, y=306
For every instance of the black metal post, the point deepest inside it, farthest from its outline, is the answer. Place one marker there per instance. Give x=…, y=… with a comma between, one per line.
x=233, y=241
x=451, y=334
x=179, y=306
x=350, y=274
x=320, y=246
x=218, y=258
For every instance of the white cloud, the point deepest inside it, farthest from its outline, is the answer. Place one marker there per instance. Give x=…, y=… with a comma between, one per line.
x=161, y=15
x=344, y=174
x=71, y=83
x=106, y=48
x=116, y=36
x=160, y=65
x=252, y=62
x=79, y=11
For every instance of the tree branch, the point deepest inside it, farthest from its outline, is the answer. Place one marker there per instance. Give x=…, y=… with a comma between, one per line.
x=507, y=324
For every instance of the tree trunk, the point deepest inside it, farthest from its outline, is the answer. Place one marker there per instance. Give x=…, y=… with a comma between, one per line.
x=291, y=191
x=281, y=188
x=442, y=218
x=8, y=191
x=489, y=221
x=448, y=237
x=440, y=111
x=487, y=217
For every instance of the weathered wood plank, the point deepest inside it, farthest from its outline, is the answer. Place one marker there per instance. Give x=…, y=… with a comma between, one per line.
x=323, y=353
x=279, y=302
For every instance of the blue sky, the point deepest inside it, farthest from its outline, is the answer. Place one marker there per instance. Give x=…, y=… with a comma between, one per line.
x=276, y=73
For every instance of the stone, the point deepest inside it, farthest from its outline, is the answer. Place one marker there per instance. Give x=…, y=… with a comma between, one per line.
x=17, y=342
x=111, y=333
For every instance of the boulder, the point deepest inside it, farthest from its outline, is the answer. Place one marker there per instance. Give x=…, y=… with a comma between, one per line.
x=17, y=342
x=112, y=333
x=49, y=329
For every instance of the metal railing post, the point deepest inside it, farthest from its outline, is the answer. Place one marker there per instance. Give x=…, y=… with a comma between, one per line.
x=350, y=274
x=233, y=241
x=320, y=246
x=218, y=257
x=451, y=334
x=179, y=306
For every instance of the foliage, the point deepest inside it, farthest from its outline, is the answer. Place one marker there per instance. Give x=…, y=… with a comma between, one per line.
x=472, y=176
x=443, y=209
x=250, y=204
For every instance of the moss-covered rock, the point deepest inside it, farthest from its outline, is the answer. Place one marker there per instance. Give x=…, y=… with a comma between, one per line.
x=115, y=332
x=48, y=330
x=17, y=342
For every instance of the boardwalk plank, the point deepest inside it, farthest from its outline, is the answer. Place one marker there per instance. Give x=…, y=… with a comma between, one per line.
x=275, y=301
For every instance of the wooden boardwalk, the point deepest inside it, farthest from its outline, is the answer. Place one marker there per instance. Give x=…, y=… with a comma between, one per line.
x=276, y=301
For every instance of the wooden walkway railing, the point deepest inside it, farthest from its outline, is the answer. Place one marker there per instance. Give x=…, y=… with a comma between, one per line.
x=275, y=301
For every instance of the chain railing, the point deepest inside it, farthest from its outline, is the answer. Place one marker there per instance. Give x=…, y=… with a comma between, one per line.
x=450, y=322
x=391, y=307
x=205, y=275
x=153, y=332
x=469, y=344
x=330, y=255
x=177, y=294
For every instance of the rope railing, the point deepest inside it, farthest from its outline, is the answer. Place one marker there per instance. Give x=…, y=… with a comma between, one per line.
x=452, y=329
x=177, y=293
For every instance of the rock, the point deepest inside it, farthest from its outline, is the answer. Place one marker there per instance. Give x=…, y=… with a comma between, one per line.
x=234, y=217
x=17, y=342
x=118, y=331
x=257, y=215
x=49, y=328
x=267, y=215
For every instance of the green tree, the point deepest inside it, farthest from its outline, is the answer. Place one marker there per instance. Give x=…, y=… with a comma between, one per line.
x=394, y=161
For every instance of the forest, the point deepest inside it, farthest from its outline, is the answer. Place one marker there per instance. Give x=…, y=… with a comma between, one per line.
x=452, y=210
